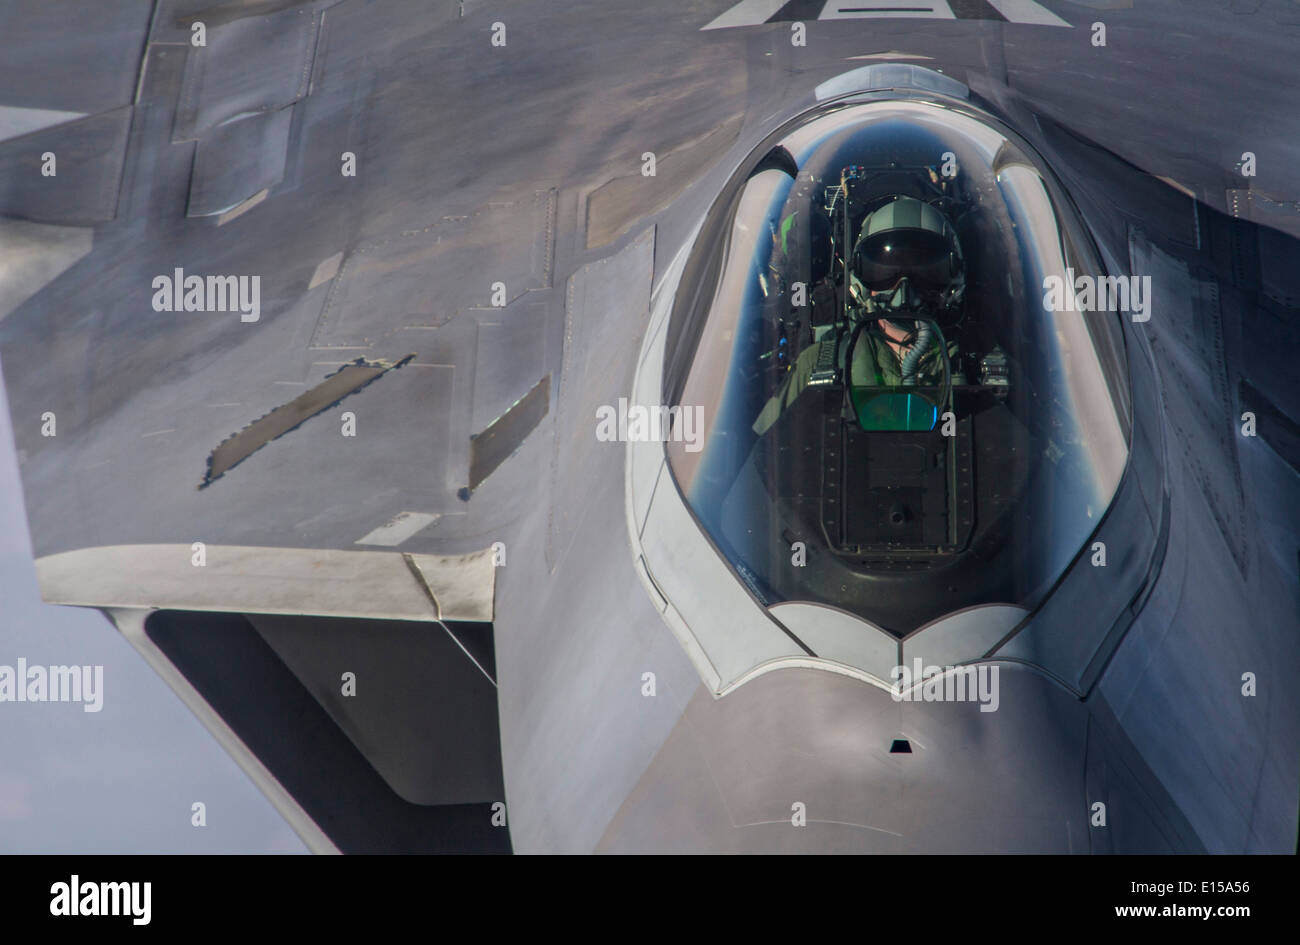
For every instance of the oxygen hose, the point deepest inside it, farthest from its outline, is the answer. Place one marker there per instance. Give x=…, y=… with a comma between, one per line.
x=912, y=359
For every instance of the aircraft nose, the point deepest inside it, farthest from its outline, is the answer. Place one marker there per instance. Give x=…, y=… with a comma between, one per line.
x=862, y=771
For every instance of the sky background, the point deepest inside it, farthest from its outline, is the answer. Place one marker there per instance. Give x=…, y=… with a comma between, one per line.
x=120, y=780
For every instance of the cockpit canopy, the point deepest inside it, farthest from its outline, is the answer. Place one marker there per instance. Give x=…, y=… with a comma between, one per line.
x=896, y=423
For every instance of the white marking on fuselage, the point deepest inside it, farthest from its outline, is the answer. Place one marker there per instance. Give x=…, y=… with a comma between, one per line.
x=397, y=529
x=1027, y=11
x=758, y=12
x=746, y=13
x=887, y=9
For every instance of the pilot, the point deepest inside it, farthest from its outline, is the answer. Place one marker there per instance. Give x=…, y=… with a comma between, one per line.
x=907, y=270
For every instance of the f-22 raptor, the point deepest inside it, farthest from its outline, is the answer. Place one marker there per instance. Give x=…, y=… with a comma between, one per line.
x=757, y=426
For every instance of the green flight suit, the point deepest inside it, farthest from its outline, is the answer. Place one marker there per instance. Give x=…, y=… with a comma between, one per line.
x=874, y=365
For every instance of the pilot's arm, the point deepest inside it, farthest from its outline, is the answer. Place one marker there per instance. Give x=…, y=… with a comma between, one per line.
x=796, y=379
x=873, y=362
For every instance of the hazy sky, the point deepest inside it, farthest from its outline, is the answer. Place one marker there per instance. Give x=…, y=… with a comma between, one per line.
x=120, y=780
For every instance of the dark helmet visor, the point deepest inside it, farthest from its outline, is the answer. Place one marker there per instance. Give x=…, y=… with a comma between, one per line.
x=920, y=255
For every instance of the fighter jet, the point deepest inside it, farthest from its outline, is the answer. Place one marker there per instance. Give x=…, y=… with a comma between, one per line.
x=786, y=428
